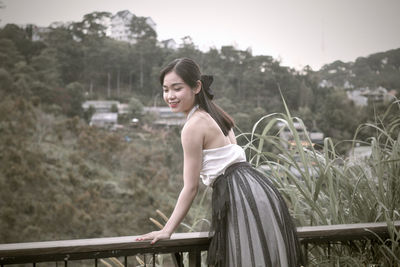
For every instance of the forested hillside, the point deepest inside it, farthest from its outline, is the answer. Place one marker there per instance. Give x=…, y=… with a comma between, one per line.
x=61, y=179
x=381, y=69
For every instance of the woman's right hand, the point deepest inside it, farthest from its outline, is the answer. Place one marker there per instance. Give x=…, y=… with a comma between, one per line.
x=154, y=236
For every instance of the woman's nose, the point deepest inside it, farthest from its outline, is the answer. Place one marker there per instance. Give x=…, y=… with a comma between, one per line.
x=171, y=95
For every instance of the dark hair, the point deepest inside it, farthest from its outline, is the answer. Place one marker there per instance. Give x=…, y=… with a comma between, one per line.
x=190, y=73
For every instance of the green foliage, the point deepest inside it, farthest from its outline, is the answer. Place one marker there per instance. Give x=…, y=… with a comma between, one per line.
x=380, y=69
x=110, y=69
x=114, y=108
x=70, y=54
x=243, y=120
x=22, y=40
x=323, y=188
x=46, y=68
x=91, y=27
x=135, y=107
x=226, y=104
x=9, y=54
x=68, y=180
x=338, y=117
x=5, y=80
x=75, y=91
x=141, y=30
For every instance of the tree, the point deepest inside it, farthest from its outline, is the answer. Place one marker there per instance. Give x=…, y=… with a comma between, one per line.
x=46, y=68
x=9, y=55
x=70, y=53
x=305, y=95
x=24, y=78
x=186, y=49
x=115, y=63
x=226, y=104
x=135, y=107
x=243, y=121
x=6, y=81
x=75, y=91
x=338, y=117
x=148, y=57
x=21, y=40
x=87, y=114
x=93, y=26
x=307, y=116
x=141, y=30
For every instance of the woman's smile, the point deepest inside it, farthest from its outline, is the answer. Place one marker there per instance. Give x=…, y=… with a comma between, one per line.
x=173, y=104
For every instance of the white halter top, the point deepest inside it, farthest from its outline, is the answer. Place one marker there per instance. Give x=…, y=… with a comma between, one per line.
x=217, y=160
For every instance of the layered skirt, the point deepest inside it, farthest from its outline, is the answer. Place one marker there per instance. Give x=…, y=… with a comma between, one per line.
x=251, y=225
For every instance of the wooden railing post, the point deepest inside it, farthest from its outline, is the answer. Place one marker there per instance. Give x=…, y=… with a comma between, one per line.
x=177, y=259
x=195, y=258
x=305, y=253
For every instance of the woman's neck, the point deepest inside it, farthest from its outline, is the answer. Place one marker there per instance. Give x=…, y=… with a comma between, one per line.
x=194, y=108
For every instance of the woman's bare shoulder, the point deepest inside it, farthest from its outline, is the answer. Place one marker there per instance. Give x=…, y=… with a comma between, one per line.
x=194, y=130
x=197, y=122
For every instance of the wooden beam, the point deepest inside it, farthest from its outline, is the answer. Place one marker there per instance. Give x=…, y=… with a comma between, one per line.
x=178, y=240
x=342, y=232
x=193, y=243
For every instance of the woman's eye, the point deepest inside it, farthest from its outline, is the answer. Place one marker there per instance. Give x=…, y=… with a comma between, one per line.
x=178, y=89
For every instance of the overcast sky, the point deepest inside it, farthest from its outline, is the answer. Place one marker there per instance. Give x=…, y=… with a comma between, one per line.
x=298, y=32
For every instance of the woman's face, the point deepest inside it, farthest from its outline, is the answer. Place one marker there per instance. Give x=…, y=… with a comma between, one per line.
x=179, y=96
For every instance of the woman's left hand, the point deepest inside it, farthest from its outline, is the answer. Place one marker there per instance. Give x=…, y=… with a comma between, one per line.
x=154, y=236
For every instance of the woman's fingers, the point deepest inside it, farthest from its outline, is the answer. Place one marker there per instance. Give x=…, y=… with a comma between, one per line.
x=160, y=236
x=153, y=236
x=154, y=240
x=145, y=237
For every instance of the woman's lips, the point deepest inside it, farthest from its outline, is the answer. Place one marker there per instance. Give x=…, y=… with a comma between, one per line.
x=173, y=105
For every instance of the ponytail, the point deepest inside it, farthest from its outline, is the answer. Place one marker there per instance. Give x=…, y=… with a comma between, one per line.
x=204, y=100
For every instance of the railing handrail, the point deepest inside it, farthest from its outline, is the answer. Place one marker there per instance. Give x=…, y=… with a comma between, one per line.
x=80, y=249
x=342, y=232
x=99, y=244
x=184, y=242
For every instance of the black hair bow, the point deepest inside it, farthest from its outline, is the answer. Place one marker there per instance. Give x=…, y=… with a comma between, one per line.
x=207, y=80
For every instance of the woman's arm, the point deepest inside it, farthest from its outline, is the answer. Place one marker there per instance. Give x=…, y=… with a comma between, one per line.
x=192, y=143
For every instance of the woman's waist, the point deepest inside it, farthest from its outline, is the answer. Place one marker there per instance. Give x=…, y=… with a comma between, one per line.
x=210, y=173
x=229, y=170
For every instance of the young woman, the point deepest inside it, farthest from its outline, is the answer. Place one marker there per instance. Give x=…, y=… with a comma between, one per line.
x=251, y=225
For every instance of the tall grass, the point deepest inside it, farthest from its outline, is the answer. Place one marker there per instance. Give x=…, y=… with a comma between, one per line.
x=323, y=188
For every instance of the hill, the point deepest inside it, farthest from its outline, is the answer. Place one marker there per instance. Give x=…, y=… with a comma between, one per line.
x=380, y=69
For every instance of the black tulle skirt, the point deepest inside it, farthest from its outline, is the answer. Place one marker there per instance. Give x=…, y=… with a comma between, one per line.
x=251, y=225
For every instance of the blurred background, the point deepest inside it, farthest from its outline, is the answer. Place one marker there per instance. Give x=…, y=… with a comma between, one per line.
x=297, y=33
x=87, y=147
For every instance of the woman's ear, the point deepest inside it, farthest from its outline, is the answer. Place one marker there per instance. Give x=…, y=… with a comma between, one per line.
x=197, y=88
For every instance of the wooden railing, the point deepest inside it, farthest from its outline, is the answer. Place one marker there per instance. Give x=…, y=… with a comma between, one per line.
x=341, y=232
x=191, y=243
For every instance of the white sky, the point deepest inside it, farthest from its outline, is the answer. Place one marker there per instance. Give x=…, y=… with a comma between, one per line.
x=298, y=32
